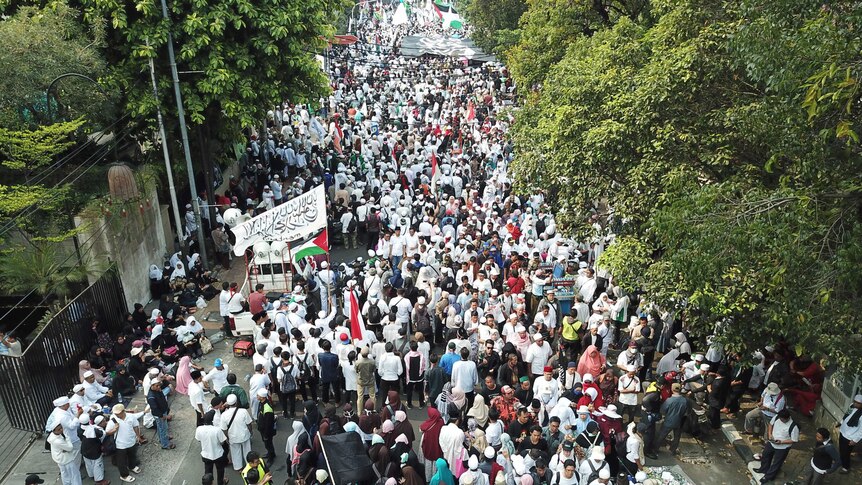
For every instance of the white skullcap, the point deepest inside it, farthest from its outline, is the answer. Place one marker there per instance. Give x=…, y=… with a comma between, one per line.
x=78, y=388
x=61, y=401
x=84, y=418
x=324, y=264
x=231, y=399
x=261, y=393
x=88, y=374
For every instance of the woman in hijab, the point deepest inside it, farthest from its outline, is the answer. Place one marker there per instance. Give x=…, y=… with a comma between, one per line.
x=402, y=425
x=607, y=383
x=603, y=303
x=370, y=420
x=459, y=399
x=123, y=384
x=347, y=415
x=589, y=439
x=400, y=447
x=139, y=316
x=429, y=442
x=293, y=439
x=479, y=411
x=592, y=362
x=304, y=459
x=387, y=433
x=411, y=476
x=507, y=444
x=379, y=454
x=184, y=375
x=563, y=410
x=84, y=366
x=178, y=277
x=157, y=282
x=311, y=419
x=478, y=444
x=393, y=403
x=444, y=475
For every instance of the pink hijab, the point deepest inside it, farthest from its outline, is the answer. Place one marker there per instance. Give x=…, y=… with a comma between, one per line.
x=184, y=375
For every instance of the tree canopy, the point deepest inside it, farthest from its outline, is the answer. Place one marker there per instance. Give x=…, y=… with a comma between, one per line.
x=39, y=44
x=719, y=140
x=239, y=57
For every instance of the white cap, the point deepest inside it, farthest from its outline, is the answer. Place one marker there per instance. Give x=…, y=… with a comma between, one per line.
x=88, y=374
x=231, y=399
x=78, y=388
x=324, y=264
x=858, y=398
x=420, y=300
x=583, y=410
x=538, y=336
x=632, y=368
x=84, y=418
x=704, y=367
x=154, y=371
x=605, y=473
x=137, y=350
x=261, y=393
x=588, y=377
x=520, y=328
x=61, y=401
x=698, y=357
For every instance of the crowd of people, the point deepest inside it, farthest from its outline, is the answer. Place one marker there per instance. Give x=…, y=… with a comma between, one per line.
x=465, y=319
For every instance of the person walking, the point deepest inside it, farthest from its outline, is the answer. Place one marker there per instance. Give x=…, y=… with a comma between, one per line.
x=236, y=424
x=266, y=423
x=212, y=440
x=824, y=458
x=65, y=455
x=674, y=410
x=127, y=430
x=161, y=412
x=850, y=432
x=781, y=433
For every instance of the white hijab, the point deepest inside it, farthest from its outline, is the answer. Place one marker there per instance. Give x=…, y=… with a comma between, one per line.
x=298, y=429
x=179, y=271
x=155, y=272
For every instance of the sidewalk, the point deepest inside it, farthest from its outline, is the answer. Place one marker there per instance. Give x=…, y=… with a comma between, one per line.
x=796, y=465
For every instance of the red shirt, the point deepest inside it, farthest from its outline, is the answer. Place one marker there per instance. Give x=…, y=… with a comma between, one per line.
x=256, y=301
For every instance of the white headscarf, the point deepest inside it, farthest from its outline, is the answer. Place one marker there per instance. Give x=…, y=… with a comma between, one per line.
x=179, y=271
x=155, y=272
x=298, y=429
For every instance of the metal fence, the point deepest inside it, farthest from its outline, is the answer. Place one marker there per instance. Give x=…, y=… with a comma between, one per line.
x=48, y=367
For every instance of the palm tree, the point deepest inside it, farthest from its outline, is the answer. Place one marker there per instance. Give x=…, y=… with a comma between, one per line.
x=40, y=266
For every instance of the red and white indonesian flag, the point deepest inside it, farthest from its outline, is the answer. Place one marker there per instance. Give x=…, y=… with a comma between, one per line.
x=358, y=332
x=435, y=171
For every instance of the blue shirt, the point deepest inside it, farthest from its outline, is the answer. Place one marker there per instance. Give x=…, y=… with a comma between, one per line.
x=448, y=360
x=328, y=366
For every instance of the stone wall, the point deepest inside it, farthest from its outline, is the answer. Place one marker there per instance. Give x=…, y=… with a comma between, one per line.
x=134, y=241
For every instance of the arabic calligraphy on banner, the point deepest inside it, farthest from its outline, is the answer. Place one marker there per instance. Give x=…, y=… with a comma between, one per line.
x=288, y=222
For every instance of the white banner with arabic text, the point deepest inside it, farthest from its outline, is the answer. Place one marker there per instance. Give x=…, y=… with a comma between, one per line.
x=288, y=222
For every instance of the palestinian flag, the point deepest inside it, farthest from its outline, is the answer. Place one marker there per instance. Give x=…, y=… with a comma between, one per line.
x=448, y=15
x=317, y=245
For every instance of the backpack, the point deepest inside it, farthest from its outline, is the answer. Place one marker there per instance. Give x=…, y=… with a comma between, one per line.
x=288, y=382
x=374, y=313
x=304, y=370
x=351, y=226
x=594, y=475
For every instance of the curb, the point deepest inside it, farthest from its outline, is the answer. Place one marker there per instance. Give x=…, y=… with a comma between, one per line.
x=742, y=449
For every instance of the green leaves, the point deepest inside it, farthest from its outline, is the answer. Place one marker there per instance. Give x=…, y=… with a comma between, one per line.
x=724, y=136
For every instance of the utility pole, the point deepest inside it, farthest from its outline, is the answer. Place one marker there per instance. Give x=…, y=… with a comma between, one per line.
x=185, y=137
x=178, y=220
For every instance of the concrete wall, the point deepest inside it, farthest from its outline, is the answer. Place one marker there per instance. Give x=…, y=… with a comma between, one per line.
x=838, y=392
x=134, y=242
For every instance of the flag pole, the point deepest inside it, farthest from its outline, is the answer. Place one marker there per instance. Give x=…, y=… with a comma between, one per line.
x=289, y=266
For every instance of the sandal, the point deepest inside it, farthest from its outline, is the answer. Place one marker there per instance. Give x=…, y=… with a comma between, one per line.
x=169, y=447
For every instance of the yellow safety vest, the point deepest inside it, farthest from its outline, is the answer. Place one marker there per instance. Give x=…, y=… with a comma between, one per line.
x=260, y=473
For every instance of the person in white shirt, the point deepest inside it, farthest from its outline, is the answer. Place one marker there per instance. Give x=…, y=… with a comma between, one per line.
x=595, y=463
x=566, y=475
x=259, y=380
x=772, y=401
x=465, y=375
x=211, y=438
x=629, y=386
x=223, y=303
x=538, y=354
x=236, y=423
x=850, y=432
x=96, y=392
x=397, y=248
x=389, y=367
x=547, y=389
x=634, y=459
x=126, y=428
x=65, y=456
x=196, y=396
x=217, y=377
x=781, y=433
